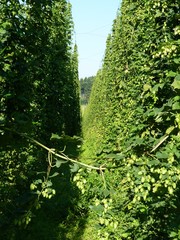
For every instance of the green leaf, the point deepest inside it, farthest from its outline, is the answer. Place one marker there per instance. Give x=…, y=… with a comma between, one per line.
x=41, y=173
x=171, y=74
x=142, y=210
x=139, y=141
x=111, y=155
x=119, y=156
x=106, y=150
x=169, y=130
x=147, y=185
x=176, y=83
x=99, y=208
x=158, y=111
x=106, y=192
x=170, y=190
x=8, y=95
x=59, y=162
x=125, y=235
x=153, y=162
x=176, y=98
x=48, y=183
x=54, y=175
x=146, y=87
x=55, y=136
x=176, y=106
x=74, y=168
x=173, y=234
x=161, y=155
x=177, y=60
x=38, y=181
x=132, y=6
x=156, y=87
x=177, y=77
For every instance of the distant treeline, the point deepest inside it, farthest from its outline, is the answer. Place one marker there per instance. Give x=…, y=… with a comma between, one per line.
x=86, y=85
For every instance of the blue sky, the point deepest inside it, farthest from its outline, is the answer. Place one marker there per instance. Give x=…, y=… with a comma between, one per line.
x=93, y=21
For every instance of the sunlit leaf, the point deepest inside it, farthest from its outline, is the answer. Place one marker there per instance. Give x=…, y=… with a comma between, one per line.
x=59, y=162
x=54, y=175
x=74, y=168
x=176, y=83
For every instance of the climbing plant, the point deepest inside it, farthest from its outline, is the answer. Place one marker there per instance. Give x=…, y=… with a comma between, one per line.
x=39, y=97
x=133, y=121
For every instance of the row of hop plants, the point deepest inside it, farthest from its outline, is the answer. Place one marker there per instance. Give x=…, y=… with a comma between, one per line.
x=39, y=96
x=132, y=125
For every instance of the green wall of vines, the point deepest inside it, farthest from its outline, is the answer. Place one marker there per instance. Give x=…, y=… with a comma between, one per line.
x=133, y=120
x=39, y=96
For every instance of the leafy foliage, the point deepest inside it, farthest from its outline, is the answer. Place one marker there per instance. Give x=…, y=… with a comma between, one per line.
x=39, y=96
x=130, y=127
x=132, y=121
